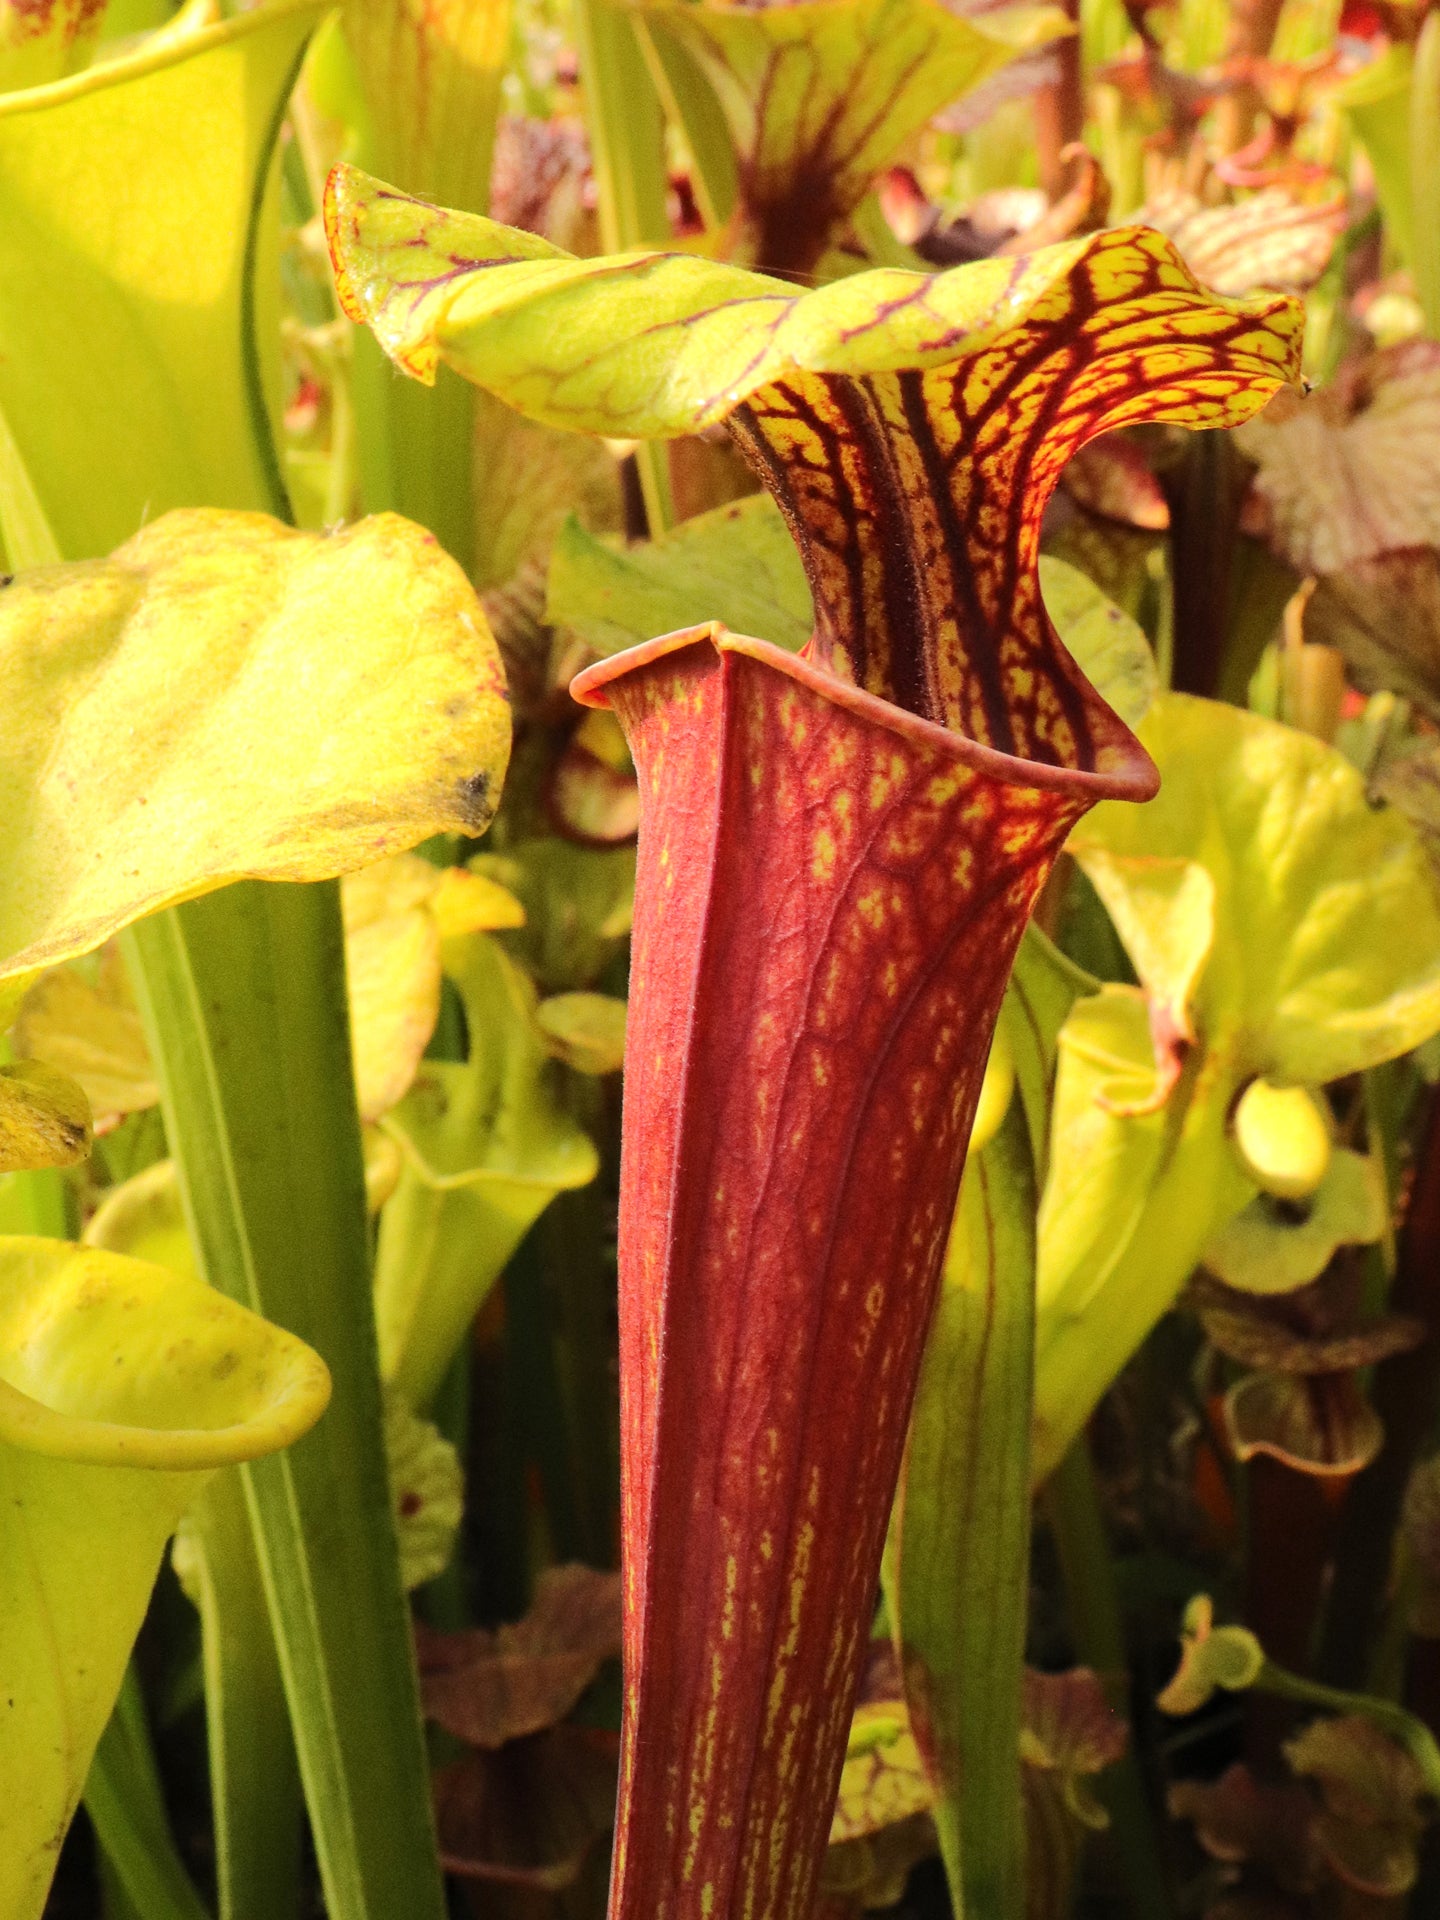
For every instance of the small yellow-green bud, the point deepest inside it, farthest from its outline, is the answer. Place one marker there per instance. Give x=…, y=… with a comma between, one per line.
x=1282, y=1135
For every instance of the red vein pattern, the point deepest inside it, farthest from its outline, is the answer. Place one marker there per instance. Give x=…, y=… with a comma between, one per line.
x=829, y=897
x=916, y=498
x=838, y=854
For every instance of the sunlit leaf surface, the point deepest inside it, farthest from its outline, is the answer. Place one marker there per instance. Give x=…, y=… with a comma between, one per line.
x=360, y=707
x=131, y=197
x=431, y=71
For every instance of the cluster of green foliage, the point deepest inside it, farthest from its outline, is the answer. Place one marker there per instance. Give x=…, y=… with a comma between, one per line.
x=317, y=890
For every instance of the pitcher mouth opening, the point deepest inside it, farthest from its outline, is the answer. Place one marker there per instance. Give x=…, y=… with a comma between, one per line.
x=268, y=1388
x=1124, y=770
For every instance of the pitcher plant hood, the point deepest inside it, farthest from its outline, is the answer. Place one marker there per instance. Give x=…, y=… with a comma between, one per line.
x=838, y=854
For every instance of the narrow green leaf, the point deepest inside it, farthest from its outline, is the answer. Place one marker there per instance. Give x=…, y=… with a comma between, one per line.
x=690, y=103
x=243, y=994
x=960, y=1546
x=627, y=133
x=254, y=1778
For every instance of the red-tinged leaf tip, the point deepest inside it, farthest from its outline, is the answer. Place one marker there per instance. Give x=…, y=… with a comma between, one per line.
x=829, y=894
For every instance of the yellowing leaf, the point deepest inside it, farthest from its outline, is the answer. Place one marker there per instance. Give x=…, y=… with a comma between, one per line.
x=397, y=915
x=392, y=968
x=135, y=235
x=94, y=1034
x=1164, y=911
x=44, y=1118
x=1134, y=1193
x=122, y=1387
x=227, y=697
x=143, y=1217
x=467, y=902
x=586, y=1030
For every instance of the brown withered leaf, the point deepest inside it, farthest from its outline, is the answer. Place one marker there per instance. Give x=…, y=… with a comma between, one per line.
x=1239, y=1819
x=528, y=1815
x=1383, y=613
x=488, y=1688
x=1308, y=1331
x=1272, y=240
x=1069, y=1729
x=1420, y=1522
x=1371, y=1791
x=1112, y=478
x=1354, y=469
x=540, y=177
x=92, y=1031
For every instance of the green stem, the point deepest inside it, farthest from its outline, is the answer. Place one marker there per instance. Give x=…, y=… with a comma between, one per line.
x=243, y=993
x=127, y=1810
x=1071, y=1506
x=959, y=1555
x=690, y=102
x=254, y=1779
x=627, y=145
x=1412, y=1734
